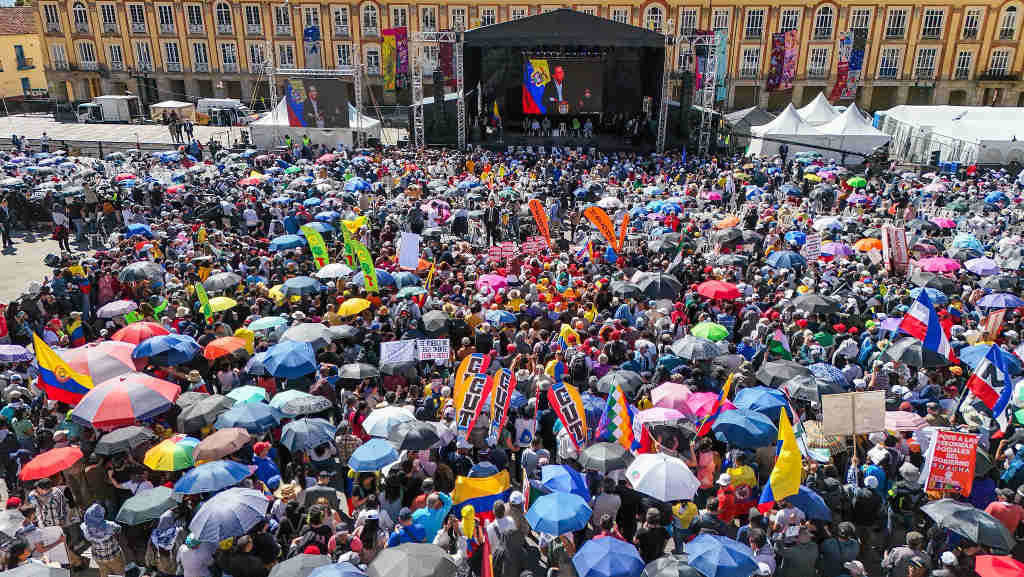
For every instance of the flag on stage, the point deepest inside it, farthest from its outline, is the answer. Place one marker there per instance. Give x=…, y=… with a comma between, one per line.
x=57, y=378
x=785, y=478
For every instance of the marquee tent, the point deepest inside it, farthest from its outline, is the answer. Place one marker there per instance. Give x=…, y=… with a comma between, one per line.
x=818, y=111
x=270, y=130
x=799, y=135
x=851, y=131
x=966, y=134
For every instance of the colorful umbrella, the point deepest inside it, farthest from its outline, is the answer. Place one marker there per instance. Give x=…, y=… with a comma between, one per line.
x=710, y=331
x=248, y=394
x=124, y=400
x=221, y=304
x=353, y=306
x=868, y=244
x=938, y=264
x=102, y=361
x=135, y=333
x=224, y=346
x=671, y=396
x=174, y=454
x=50, y=463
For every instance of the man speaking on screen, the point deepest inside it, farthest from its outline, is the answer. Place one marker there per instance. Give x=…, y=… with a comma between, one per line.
x=312, y=109
x=556, y=93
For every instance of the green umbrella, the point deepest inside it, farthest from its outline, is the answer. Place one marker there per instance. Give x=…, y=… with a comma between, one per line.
x=958, y=206
x=825, y=339
x=411, y=291
x=248, y=394
x=146, y=506
x=710, y=331
x=292, y=170
x=857, y=182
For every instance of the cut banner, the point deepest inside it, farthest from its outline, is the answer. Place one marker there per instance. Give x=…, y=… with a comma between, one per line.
x=568, y=405
x=366, y=265
x=317, y=247
x=504, y=382
x=541, y=218
x=471, y=388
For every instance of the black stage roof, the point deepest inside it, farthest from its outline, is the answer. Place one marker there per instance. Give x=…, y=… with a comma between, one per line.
x=562, y=27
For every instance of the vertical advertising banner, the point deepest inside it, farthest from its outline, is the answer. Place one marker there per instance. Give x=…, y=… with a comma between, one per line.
x=722, y=61
x=775, y=64
x=316, y=246
x=568, y=405
x=842, y=65
x=855, y=66
x=444, y=60
x=387, y=58
x=471, y=384
x=501, y=399
x=401, y=55
x=790, y=55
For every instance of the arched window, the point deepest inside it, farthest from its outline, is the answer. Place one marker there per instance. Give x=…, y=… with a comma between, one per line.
x=81, y=17
x=823, y=23
x=1008, y=27
x=654, y=17
x=370, y=22
x=223, y=15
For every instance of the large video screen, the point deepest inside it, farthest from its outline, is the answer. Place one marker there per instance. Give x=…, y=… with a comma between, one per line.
x=317, y=102
x=553, y=86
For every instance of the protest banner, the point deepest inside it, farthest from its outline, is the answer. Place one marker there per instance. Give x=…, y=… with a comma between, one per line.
x=541, y=218
x=393, y=352
x=409, y=250
x=504, y=382
x=857, y=413
x=600, y=219
x=812, y=247
x=949, y=463
x=317, y=247
x=433, y=349
x=568, y=405
x=366, y=265
x=993, y=323
x=468, y=395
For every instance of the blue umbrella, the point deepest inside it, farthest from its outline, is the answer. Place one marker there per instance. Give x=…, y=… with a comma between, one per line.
x=356, y=184
x=301, y=286
x=139, y=230
x=967, y=240
x=287, y=241
x=253, y=417
x=785, y=259
x=254, y=366
x=311, y=202
x=500, y=317
x=305, y=434
x=716, y=556
x=328, y=216
x=373, y=455
x=267, y=323
x=764, y=400
x=558, y=513
x=255, y=279
x=811, y=504
x=212, y=477
x=384, y=278
x=562, y=478
x=796, y=237
x=975, y=354
x=1000, y=301
x=406, y=278
x=168, y=350
x=994, y=197
x=483, y=469
x=827, y=372
x=937, y=296
x=290, y=359
x=321, y=227
x=608, y=558
x=670, y=363
x=231, y=513
x=745, y=428
x=337, y=570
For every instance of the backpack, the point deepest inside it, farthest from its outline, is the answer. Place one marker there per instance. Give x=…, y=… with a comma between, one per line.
x=834, y=496
x=578, y=370
x=499, y=554
x=905, y=499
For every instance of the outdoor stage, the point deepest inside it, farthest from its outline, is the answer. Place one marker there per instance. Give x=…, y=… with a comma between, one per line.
x=603, y=142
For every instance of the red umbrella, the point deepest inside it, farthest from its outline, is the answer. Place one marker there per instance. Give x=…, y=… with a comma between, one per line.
x=222, y=347
x=50, y=463
x=716, y=289
x=326, y=158
x=135, y=333
x=101, y=361
x=998, y=566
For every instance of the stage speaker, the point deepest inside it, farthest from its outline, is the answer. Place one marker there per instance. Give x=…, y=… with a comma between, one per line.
x=438, y=90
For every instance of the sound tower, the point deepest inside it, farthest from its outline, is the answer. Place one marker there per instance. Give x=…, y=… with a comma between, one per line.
x=440, y=114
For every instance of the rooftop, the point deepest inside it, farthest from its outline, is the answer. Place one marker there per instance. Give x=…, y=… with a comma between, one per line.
x=17, y=20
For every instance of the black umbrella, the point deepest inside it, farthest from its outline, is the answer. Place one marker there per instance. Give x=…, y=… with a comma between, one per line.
x=189, y=398
x=413, y=436
x=358, y=371
x=970, y=523
x=911, y=351
x=816, y=304
x=774, y=373
x=660, y=286
x=605, y=457
x=624, y=289
x=809, y=388
x=752, y=236
x=140, y=271
x=919, y=224
x=661, y=245
x=435, y=320
x=124, y=440
x=222, y=281
x=628, y=381
x=728, y=235
x=412, y=560
x=299, y=566
x=694, y=348
x=731, y=259
x=931, y=280
x=999, y=282
x=203, y=413
x=964, y=253
x=309, y=497
x=670, y=566
x=344, y=332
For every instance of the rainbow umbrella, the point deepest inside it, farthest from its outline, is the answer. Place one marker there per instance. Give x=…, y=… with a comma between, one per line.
x=174, y=454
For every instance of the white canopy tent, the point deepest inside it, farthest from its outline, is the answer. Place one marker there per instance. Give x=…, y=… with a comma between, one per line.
x=799, y=135
x=965, y=134
x=851, y=131
x=818, y=111
x=270, y=130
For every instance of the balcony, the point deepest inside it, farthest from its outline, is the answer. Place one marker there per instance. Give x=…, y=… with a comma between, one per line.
x=257, y=68
x=817, y=73
x=752, y=34
x=173, y=66
x=61, y=65
x=225, y=29
x=194, y=28
x=1007, y=33
x=370, y=32
x=931, y=33
x=970, y=34
x=895, y=33
x=200, y=66
x=53, y=27
x=36, y=92
x=89, y=66
x=139, y=27
x=998, y=76
x=110, y=28
x=168, y=28
x=749, y=73
x=924, y=74
x=254, y=29
x=230, y=67
x=116, y=66
x=144, y=66
x=962, y=74
x=886, y=73
x=283, y=29
x=821, y=34
x=26, y=64
x=81, y=27
x=341, y=31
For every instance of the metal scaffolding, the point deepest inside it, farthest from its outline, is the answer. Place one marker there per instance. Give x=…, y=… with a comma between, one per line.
x=453, y=37
x=663, y=106
x=353, y=72
x=704, y=98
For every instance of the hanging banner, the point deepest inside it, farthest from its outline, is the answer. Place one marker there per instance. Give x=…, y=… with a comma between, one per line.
x=433, y=349
x=949, y=463
x=366, y=264
x=312, y=47
x=790, y=55
x=599, y=218
x=722, y=64
x=568, y=405
x=471, y=388
x=394, y=352
x=504, y=382
x=623, y=227
x=387, y=58
x=778, y=53
x=541, y=218
x=842, y=65
x=317, y=246
x=204, y=302
x=409, y=250
x=444, y=60
x=856, y=65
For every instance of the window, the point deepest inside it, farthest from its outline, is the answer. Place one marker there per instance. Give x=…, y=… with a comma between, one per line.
x=19, y=57
x=172, y=57
x=341, y=21
x=488, y=16
x=253, y=19
x=399, y=16
x=687, y=20
x=257, y=56
x=108, y=16
x=457, y=16
x=750, y=64
x=137, y=17
x=620, y=15
x=817, y=62
x=52, y=18
x=165, y=17
x=369, y=23
x=972, y=22
x=194, y=12
x=823, y=22
x=200, y=57
x=999, y=65
x=80, y=17
x=896, y=27
x=223, y=14
x=589, y=10
x=229, y=57
x=143, y=55
x=115, y=57
x=26, y=86
x=431, y=57
x=654, y=17
x=925, y=69
x=755, y=24
x=720, y=20
x=517, y=12
x=58, y=56
x=889, y=63
x=963, y=65
x=1008, y=27
x=428, y=19
x=310, y=17
x=373, y=61
x=860, y=19
x=344, y=52
x=790, y=19
x=286, y=55
x=931, y=27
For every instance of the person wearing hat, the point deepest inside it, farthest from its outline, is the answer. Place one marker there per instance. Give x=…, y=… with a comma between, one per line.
x=897, y=560
x=103, y=538
x=406, y=530
x=266, y=468
x=906, y=496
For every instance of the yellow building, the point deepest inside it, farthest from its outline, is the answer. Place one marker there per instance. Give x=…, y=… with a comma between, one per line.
x=22, y=72
x=966, y=52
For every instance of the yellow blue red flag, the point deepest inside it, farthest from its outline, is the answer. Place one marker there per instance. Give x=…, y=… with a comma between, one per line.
x=57, y=378
x=481, y=492
x=785, y=478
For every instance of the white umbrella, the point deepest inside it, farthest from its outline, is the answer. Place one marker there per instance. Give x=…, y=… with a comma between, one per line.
x=663, y=477
x=380, y=421
x=609, y=202
x=333, y=271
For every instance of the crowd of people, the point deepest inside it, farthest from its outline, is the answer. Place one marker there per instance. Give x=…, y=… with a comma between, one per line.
x=212, y=393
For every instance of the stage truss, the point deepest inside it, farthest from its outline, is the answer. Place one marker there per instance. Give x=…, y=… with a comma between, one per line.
x=417, y=40
x=354, y=72
x=703, y=98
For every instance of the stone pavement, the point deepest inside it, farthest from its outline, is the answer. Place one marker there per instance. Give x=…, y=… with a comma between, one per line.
x=24, y=263
x=125, y=135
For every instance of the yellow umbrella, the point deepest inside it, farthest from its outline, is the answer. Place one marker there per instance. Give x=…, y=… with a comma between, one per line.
x=276, y=294
x=220, y=304
x=728, y=222
x=249, y=337
x=353, y=307
x=812, y=177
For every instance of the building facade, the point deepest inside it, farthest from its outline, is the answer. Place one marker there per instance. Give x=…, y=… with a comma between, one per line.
x=968, y=52
x=22, y=71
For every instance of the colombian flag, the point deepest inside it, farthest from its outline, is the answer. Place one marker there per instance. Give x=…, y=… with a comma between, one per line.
x=705, y=426
x=785, y=479
x=57, y=378
x=77, y=333
x=481, y=493
x=535, y=77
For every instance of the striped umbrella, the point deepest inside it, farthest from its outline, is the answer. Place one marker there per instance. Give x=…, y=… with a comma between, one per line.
x=102, y=361
x=124, y=400
x=174, y=454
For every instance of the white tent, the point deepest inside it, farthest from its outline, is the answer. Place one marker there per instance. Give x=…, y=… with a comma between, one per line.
x=851, y=131
x=270, y=130
x=789, y=127
x=818, y=111
x=982, y=134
